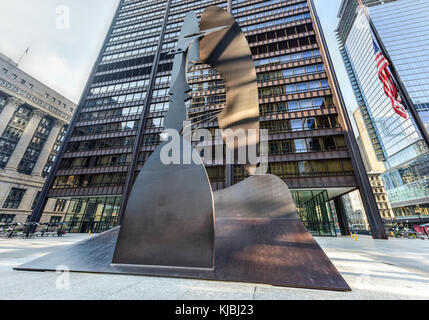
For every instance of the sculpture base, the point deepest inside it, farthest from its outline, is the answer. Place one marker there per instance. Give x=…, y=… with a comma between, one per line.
x=278, y=252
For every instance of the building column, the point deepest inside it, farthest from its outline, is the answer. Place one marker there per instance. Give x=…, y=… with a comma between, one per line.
x=9, y=110
x=25, y=140
x=4, y=192
x=47, y=149
x=28, y=199
x=341, y=216
x=229, y=175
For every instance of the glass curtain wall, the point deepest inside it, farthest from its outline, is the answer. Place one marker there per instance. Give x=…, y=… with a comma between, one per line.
x=96, y=214
x=315, y=211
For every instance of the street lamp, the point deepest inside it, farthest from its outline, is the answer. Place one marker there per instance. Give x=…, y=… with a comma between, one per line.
x=420, y=217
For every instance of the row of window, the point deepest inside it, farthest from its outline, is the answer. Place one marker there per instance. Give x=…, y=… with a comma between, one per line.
x=210, y=100
x=298, y=169
x=85, y=181
x=119, y=87
x=296, y=105
x=197, y=12
x=111, y=113
x=311, y=168
x=159, y=107
x=208, y=85
x=115, y=99
x=126, y=63
x=131, y=53
x=144, y=16
x=130, y=20
x=106, y=128
x=272, y=12
x=190, y=5
x=320, y=144
x=276, y=22
x=142, y=33
x=288, y=73
x=201, y=73
x=254, y=6
x=136, y=26
x=284, y=45
x=121, y=75
x=289, y=32
x=100, y=144
x=303, y=124
x=147, y=6
x=95, y=161
x=293, y=88
x=126, y=45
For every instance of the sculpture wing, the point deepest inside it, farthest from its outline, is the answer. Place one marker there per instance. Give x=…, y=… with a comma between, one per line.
x=228, y=51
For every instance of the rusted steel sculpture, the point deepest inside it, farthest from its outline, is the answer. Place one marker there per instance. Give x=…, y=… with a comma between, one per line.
x=170, y=227
x=169, y=218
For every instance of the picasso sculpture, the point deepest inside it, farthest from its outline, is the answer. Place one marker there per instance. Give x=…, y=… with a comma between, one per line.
x=174, y=224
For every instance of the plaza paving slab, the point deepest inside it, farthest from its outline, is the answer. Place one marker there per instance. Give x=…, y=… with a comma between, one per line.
x=394, y=270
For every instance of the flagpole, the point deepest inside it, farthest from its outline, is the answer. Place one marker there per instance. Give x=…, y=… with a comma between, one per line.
x=403, y=91
x=26, y=52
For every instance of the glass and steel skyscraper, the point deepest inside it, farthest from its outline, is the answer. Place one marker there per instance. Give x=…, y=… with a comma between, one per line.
x=121, y=112
x=403, y=27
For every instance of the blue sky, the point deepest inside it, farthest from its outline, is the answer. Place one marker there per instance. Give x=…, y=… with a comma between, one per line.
x=63, y=58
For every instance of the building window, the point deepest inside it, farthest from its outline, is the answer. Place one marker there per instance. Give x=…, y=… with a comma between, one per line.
x=14, y=198
x=6, y=218
x=35, y=148
x=60, y=205
x=12, y=133
x=55, y=219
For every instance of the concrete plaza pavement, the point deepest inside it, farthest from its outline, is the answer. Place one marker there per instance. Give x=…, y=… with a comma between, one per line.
x=394, y=270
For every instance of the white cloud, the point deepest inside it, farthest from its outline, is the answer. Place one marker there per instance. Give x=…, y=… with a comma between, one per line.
x=61, y=59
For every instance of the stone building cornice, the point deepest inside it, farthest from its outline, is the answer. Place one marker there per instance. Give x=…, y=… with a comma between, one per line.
x=19, y=95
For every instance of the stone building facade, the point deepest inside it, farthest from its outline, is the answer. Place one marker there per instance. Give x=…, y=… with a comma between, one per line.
x=33, y=122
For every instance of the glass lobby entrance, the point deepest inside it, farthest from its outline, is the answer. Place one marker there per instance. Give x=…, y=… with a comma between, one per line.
x=315, y=212
x=96, y=214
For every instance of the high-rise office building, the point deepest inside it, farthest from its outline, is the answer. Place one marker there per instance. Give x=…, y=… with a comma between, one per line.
x=403, y=28
x=374, y=168
x=121, y=112
x=33, y=121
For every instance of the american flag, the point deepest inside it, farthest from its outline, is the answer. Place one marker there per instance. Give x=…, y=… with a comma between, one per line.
x=390, y=88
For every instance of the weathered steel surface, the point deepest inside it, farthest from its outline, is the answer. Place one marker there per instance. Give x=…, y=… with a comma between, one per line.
x=264, y=196
x=169, y=217
x=169, y=220
x=279, y=252
x=228, y=51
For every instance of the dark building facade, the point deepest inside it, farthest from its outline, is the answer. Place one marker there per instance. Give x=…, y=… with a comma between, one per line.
x=121, y=112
